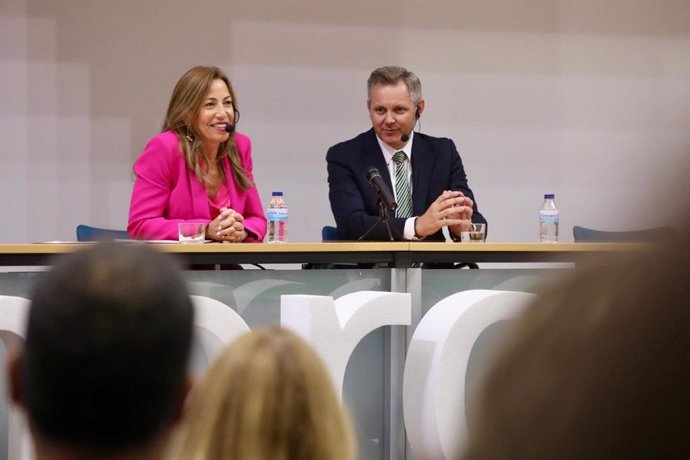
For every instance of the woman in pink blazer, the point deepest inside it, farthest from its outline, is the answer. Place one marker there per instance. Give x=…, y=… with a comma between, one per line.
x=199, y=169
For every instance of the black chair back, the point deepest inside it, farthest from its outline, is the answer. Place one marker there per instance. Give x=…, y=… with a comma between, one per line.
x=89, y=233
x=329, y=233
x=589, y=235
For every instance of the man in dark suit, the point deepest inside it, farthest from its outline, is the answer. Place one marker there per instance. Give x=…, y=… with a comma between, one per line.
x=425, y=173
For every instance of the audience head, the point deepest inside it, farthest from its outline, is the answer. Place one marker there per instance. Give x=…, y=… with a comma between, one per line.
x=266, y=397
x=598, y=368
x=103, y=368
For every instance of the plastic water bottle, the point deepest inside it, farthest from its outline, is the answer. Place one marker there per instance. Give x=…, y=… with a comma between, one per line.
x=549, y=217
x=277, y=216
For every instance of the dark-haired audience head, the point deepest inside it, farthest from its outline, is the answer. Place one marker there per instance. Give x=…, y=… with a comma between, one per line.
x=598, y=368
x=103, y=371
x=267, y=396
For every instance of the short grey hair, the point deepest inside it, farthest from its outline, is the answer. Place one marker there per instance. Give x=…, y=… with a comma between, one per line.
x=391, y=75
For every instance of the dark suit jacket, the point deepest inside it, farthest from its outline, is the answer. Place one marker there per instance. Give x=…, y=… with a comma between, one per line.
x=436, y=166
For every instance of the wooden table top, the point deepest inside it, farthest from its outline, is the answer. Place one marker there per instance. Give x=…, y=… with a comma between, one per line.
x=401, y=253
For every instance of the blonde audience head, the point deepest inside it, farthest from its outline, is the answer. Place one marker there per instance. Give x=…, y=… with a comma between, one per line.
x=266, y=396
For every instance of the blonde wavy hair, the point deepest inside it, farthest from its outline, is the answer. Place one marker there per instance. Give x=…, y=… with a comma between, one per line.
x=266, y=397
x=184, y=108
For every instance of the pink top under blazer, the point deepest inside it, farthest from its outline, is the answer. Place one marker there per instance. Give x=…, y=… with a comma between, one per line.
x=166, y=192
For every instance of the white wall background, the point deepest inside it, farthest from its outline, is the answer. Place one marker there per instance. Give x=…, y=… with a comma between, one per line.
x=588, y=99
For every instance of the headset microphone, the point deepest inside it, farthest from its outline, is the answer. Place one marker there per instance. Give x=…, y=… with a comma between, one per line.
x=230, y=127
x=406, y=137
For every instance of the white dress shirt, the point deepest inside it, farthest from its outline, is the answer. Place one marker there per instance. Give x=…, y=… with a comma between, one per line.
x=388, y=152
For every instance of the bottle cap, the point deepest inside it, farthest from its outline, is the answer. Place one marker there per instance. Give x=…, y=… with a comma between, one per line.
x=277, y=194
x=549, y=196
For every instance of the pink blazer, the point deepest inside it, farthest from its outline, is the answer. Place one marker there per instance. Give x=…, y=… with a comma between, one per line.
x=166, y=192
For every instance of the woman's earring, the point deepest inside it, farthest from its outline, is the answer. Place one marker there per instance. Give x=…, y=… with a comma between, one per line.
x=188, y=135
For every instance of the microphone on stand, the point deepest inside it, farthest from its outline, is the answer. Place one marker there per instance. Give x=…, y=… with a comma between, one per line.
x=374, y=177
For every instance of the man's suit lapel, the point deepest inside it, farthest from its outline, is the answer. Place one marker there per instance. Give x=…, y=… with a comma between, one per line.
x=422, y=166
x=373, y=157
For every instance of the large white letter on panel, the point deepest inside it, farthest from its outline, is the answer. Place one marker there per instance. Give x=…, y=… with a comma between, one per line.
x=334, y=328
x=216, y=324
x=14, y=312
x=436, y=367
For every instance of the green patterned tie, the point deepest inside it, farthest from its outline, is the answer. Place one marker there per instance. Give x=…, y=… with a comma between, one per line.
x=402, y=186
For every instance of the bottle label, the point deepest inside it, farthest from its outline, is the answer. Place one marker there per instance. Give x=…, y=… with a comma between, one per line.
x=546, y=219
x=277, y=214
